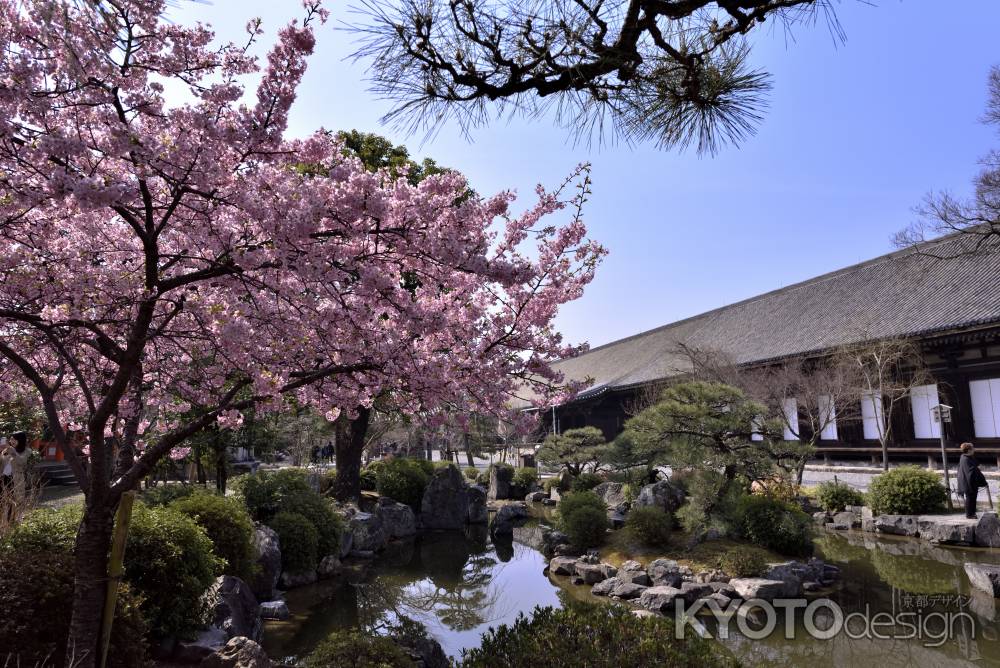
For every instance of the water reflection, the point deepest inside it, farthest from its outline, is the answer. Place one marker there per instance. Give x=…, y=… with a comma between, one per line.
x=457, y=584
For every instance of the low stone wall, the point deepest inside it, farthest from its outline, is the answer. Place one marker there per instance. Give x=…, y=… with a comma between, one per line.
x=983, y=531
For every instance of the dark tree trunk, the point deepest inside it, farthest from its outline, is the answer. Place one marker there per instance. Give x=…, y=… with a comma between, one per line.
x=93, y=541
x=349, y=448
x=221, y=470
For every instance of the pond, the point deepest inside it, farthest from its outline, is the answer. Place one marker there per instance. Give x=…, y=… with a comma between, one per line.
x=460, y=584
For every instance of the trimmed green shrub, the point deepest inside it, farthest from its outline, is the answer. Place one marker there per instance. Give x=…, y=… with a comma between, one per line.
x=428, y=467
x=651, y=525
x=36, y=596
x=834, y=496
x=403, y=480
x=603, y=636
x=286, y=490
x=742, y=563
x=369, y=477
x=352, y=648
x=585, y=482
x=170, y=563
x=775, y=525
x=525, y=477
x=164, y=494
x=907, y=490
x=327, y=481
x=471, y=472
x=583, y=517
x=299, y=542
x=228, y=525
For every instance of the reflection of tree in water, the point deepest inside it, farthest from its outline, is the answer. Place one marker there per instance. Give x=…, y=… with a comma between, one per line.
x=450, y=578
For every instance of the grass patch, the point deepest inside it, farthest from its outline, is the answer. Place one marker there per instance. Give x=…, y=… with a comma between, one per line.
x=620, y=547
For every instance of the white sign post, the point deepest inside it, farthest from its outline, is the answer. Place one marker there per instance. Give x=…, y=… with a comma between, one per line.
x=942, y=415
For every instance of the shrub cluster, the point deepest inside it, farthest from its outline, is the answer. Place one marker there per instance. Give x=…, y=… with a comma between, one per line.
x=583, y=517
x=164, y=494
x=299, y=541
x=650, y=525
x=268, y=493
x=36, y=596
x=834, y=496
x=775, y=525
x=592, y=636
x=229, y=527
x=742, y=563
x=369, y=477
x=525, y=477
x=471, y=472
x=352, y=648
x=907, y=490
x=585, y=481
x=404, y=480
x=170, y=562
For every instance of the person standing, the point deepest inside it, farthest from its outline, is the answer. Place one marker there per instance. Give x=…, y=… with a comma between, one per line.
x=14, y=459
x=970, y=478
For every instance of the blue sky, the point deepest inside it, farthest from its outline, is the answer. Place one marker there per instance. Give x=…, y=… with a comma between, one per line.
x=856, y=134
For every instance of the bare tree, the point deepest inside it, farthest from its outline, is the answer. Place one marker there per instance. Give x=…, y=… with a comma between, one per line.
x=888, y=371
x=674, y=71
x=977, y=218
x=807, y=397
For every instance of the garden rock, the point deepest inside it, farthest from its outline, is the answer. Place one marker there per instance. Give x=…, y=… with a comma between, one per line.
x=822, y=517
x=632, y=565
x=634, y=577
x=954, y=530
x=328, y=567
x=563, y=566
x=628, y=590
x=591, y=573
x=534, y=497
x=661, y=494
x=478, y=513
x=988, y=530
x=367, y=532
x=549, y=502
x=239, y=652
x=616, y=519
x=659, y=599
x=692, y=591
x=837, y=526
x=500, y=483
x=268, y=551
x=897, y=525
x=234, y=607
x=613, y=495
x=507, y=517
x=852, y=520
x=397, y=519
x=985, y=577
x=605, y=587
x=274, y=610
x=293, y=580
x=346, y=544
x=664, y=572
x=446, y=502
x=765, y=589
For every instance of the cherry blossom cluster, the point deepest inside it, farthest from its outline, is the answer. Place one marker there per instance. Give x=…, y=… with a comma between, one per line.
x=159, y=257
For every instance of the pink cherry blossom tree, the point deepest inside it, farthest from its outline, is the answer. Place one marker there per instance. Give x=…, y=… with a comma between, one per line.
x=158, y=256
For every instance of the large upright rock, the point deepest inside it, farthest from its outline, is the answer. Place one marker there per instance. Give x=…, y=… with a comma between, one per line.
x=988, y=530
x=398, y=520
x=367, y=534
x=508, y=517
x=613, y=495
x=478, y=512
x=446, y=501
x=239, y=652
x=500, y=483
x=268, y=551
x=661, y=494
x=234, y=607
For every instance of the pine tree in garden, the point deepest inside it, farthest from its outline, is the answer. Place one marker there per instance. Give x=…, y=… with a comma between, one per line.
x=159, y=257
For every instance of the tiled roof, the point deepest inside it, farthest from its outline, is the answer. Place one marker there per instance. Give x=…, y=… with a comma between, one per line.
x=902, y=294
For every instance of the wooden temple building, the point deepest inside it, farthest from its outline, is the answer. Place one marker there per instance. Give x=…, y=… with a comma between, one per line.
x=944, y=296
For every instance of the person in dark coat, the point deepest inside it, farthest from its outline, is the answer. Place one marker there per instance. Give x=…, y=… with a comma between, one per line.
x=970, y=478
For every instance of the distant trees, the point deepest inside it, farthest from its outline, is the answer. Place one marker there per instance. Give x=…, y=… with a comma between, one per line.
x=671, y=71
